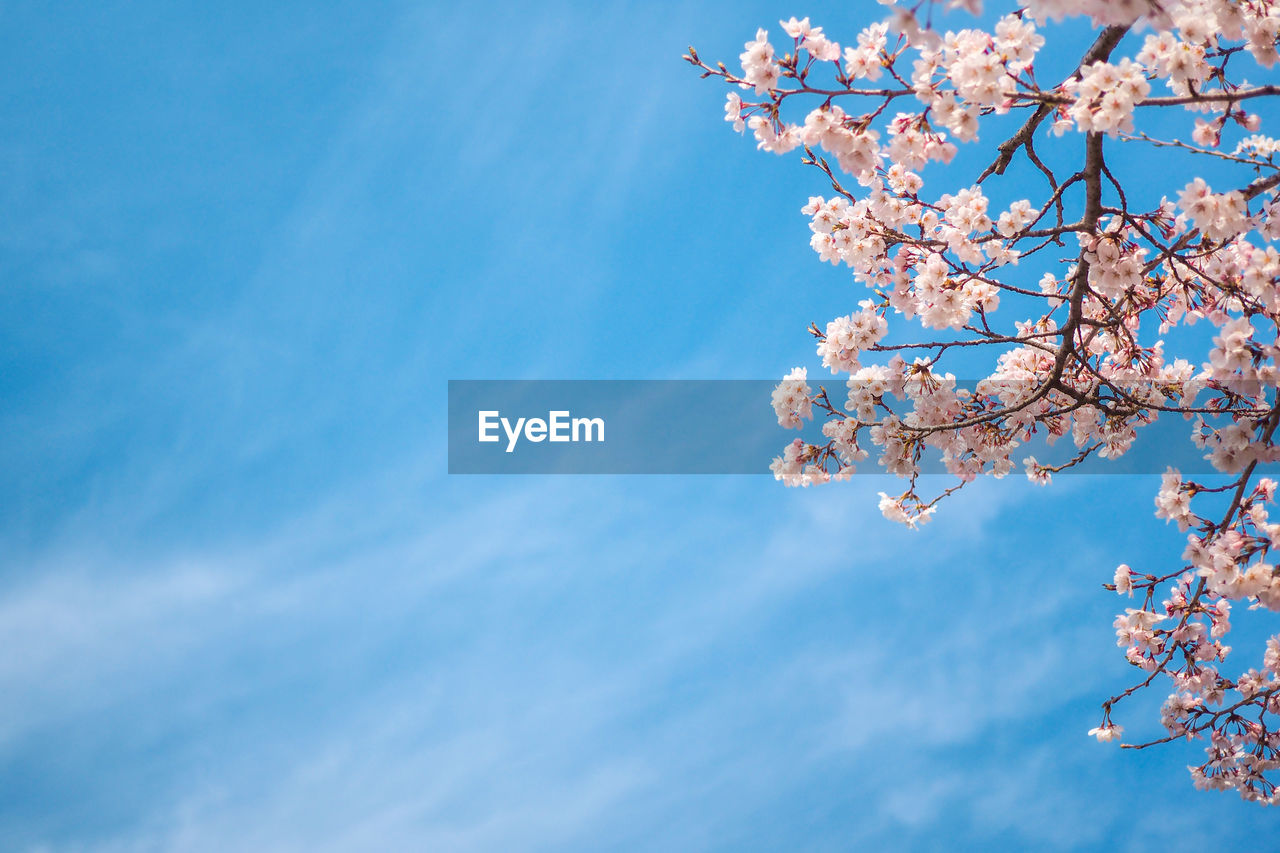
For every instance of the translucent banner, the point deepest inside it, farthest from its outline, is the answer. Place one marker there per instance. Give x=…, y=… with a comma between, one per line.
x=713, y=427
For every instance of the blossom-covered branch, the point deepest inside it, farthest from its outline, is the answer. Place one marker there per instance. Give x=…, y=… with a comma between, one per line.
x=1083, y=353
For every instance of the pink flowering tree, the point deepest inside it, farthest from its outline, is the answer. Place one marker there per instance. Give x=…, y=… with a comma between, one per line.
x=1075, y=300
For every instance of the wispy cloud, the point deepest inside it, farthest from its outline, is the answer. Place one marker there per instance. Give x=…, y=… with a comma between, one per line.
x=517, y=700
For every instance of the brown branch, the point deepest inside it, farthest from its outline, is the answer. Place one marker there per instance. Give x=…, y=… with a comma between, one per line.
x=1101, y=49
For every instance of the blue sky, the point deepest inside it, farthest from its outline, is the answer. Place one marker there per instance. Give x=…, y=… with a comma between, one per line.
x=243, y=606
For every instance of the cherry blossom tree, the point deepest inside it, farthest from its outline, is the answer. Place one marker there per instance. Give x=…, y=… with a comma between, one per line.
x=1095, y=347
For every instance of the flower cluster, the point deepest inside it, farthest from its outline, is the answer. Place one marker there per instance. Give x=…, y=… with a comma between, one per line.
x=1183, y=64
x=1219, y=217
x=1105, y=96
x=848, y=336
x=791, y=401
